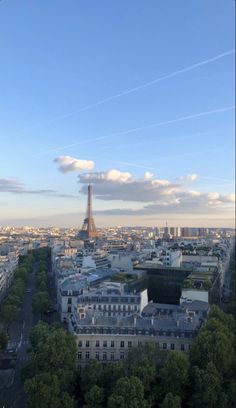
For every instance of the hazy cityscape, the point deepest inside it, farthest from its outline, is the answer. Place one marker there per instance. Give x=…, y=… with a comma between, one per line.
x=117, y=210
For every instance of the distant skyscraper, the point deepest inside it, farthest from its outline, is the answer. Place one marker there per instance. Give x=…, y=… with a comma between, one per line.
x=166, y=234
x=88, y=229
x=185, y=232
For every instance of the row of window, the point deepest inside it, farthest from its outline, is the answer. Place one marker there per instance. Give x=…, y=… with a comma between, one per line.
x=111, y=355
x=115, y=307
x=101, y=356
x=109, y=330
x=104, y=343
x=109, y=299
x=111, y=344
x=172, y=346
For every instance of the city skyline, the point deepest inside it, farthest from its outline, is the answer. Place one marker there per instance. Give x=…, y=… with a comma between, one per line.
x=146, y=116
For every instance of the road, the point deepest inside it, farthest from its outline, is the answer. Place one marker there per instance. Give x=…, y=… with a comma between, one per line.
x=13, y=397
x=226, y=275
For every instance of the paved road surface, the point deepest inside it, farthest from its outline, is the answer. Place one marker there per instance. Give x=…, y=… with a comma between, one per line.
x=14, y=397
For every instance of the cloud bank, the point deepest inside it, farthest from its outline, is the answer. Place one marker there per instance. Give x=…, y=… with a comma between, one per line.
x=156, y=195
x=17, y=187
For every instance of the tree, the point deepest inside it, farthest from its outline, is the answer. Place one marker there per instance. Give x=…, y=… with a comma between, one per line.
x=128, y=393
x=175, y=373
x=206, y=388
x=225, y=319
x=91, y=375
x=67, y=401
x=21, y=273
x=56, y=354
x=231, y=393
x=13, y=300
x=109, y=376
x=9, y=312
x=51, y=368
x=214, y=343
x=43, y=391
x=40, y=302
x=94, y=397
x=207, y=284
x=171, y=401
x=39, y=333
x=3, y=340
x=42, y=285
x=18, y=288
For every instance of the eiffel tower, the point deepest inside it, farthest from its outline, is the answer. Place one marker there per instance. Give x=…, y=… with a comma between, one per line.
x=88, y=229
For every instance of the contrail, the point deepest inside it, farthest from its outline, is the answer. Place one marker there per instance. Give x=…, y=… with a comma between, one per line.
x=131, y=90
x=133, y=130
x=217, y=179
x=139, y=166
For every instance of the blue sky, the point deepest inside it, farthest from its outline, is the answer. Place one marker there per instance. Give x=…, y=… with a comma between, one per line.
x=58, y=58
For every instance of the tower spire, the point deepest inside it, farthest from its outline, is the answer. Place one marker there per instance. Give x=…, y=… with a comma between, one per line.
x=88, y=229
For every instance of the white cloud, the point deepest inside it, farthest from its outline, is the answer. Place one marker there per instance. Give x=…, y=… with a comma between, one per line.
x=189, y=177
x=68, y=164
x=109, y=176
x=148, y=175
x=118, y=176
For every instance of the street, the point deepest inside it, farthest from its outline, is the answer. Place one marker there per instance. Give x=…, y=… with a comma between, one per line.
x=13, y=397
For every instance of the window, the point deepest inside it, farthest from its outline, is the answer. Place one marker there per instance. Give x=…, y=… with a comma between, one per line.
x=104, y=355
x=79, y=355
x=104, y=343
x=129, y=344
x=182, y=347
x=172, y=346
x=97, y=355
x=164, y=346
x=80, y=343
x=69, y=309
x=69, y=301
x=122, y=344
x=122, y=355
x=87, y=355
x=112, y=356
x=97, y=343
x=87, y=343
x=112, y=343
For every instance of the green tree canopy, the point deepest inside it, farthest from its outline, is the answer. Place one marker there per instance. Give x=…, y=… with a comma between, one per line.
x=40, y=302
x=43, y=391
x=175, y=373
x=110, y=374
x=39, y=333
x=91, y=375
x=171, y=401
x=94, y=397
x=128, y=393
x=206, y=389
